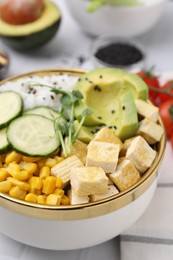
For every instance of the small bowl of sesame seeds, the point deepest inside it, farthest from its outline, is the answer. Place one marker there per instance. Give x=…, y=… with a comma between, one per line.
x=108, y=51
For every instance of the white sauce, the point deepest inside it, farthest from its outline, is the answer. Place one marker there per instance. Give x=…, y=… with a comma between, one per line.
x=40, y=96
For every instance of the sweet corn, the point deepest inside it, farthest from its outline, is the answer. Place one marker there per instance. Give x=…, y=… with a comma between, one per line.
x=50, y=162
x=13, y=157
x=17, y=193
x=3, y=175
x=13, y=168
x=65, y=200
x=59, y=192
x=35, y=191
x=5, y=186
x=49, y=185
x=21, y=184
x=30, y=197
x=30, y=159
x=41, y=199
x=36, y=182
x=41, y=163
x=59, y=158
x=44, y=172
x=21, y=176
x=59, y=182
x=30, y=167
x=53, y=199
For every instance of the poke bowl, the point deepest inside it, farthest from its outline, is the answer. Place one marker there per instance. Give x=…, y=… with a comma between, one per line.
x=60, y=198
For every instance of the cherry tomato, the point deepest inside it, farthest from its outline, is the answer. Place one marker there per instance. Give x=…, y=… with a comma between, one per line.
x=18, y=12
x=166, y=112
x=171, y=139
x=152, y=81
x=168, y=86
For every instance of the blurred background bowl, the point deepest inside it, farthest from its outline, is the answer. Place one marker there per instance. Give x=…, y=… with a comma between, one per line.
x=121, y=21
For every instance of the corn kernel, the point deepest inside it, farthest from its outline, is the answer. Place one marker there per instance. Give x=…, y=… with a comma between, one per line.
x=35, y=191
x=30, y=167
x=3, y=175
x=30, y=197
x=41, y=199
x=49, y=185
x=12, y=157
x=41, y=163
x=21, y=184
x=5, y=186
x=21, y=176
x=36, y=182
x=44, y=172
x=59, y=183
x=13, y=168
x=30, y=159
x=65, y=200
x=50, y=162
x=53, y=199
x=17, y=193
x=59, y=159
x=59, y=192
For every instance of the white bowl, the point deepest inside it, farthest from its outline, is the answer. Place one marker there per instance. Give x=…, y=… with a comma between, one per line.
x=77, y=226
x=121, y=21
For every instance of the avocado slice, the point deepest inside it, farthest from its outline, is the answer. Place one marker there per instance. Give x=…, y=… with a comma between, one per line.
x=35, y=34
x=110, y=94
x=86, y=134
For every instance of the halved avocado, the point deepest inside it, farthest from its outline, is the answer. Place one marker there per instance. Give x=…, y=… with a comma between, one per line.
x=35, y=34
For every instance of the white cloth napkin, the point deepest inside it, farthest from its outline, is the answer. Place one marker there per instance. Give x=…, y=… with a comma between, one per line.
x=151, y=237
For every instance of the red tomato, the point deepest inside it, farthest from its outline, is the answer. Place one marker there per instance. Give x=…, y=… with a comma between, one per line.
x=164, y=97
x=171, y=139
x=21, y=11
x=166, y=112
x=152, y=81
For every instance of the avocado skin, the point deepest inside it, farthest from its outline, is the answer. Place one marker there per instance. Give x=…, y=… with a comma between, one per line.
x=33, y=40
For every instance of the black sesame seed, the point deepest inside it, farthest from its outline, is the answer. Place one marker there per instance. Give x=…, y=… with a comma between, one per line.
x=52, y=97
x=34, y=91
x=99, y=117
x=100, y=76
x=102, y=125
x=113, y=111
x=92, y=132
x=123, y=107
x=110, y=127
x=115, y=127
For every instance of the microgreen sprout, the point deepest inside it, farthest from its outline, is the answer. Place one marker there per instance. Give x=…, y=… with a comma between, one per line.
x=64, y=123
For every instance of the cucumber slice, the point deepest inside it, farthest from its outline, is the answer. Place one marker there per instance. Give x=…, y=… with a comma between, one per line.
x=11, y=106
x=4, y=144
x=33, y=135
x=43, y=111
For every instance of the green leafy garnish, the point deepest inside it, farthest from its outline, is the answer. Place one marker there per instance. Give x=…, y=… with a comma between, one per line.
x=64, y=123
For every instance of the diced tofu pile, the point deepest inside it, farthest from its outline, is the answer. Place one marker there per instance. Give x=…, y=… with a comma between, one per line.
x=106, y=166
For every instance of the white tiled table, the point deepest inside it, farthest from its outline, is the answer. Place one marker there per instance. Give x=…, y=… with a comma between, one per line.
x=65, y=50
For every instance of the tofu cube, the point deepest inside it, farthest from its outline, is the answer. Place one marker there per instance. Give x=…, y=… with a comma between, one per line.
x=125, y=176
x=89, y=181
x=103, y=154
x=107, y=135
x=62, y=169
x=146, y=109
x=112, y=190
x=80, y=150
x=140, y=154
x=151, y=131
x=76, y=199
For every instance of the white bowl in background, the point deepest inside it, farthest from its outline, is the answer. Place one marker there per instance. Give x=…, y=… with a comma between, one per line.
x=121, y=21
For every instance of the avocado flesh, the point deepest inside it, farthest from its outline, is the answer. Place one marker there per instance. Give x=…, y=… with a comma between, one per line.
x=110, y=94
x=86, y=134
x=35, y=34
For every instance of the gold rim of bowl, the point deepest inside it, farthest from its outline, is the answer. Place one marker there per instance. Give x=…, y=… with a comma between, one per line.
x=92, y=209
